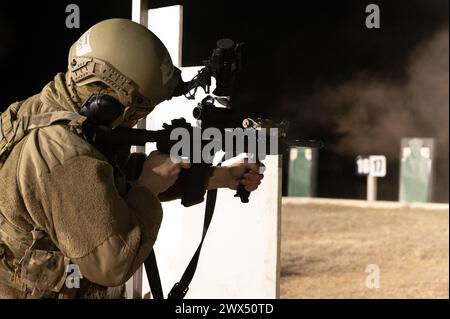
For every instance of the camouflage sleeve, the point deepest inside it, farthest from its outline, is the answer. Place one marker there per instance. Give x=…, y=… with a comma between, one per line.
x=106, y=235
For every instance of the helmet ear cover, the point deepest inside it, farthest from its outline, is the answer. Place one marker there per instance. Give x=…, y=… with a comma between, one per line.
x=101, y=109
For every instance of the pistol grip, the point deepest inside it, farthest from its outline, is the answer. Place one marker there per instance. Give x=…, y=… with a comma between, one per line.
x=242, y=193
x=194, y=184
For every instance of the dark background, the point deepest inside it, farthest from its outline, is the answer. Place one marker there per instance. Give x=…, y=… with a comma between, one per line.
x=314, y=63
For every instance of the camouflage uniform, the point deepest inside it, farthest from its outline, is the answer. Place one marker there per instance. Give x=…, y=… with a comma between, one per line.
x=59, y=204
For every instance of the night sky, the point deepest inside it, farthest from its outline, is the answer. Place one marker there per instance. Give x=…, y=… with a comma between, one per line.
x=314, y=63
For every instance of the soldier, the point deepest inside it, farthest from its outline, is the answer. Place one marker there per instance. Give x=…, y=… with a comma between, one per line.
x=60, y=199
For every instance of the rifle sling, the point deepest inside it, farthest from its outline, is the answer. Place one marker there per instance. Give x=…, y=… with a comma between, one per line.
x=180, y=289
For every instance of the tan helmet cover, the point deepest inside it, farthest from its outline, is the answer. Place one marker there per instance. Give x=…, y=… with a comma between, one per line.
x=128, y=58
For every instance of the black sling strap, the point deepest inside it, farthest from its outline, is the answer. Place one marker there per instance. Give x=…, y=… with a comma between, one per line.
x=180, y=289
x=151, y=268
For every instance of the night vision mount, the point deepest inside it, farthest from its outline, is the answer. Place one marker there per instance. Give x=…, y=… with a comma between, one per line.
x=223, y=64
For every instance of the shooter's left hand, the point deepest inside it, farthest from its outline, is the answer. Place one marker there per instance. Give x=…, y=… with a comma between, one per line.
x=249, y=174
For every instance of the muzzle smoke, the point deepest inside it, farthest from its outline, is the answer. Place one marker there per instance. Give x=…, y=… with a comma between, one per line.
x=374, y=115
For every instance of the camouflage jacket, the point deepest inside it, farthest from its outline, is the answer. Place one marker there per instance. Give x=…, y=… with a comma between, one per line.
x=59, y=204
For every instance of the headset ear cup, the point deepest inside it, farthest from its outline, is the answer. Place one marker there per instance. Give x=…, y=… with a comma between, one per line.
x=101, y=109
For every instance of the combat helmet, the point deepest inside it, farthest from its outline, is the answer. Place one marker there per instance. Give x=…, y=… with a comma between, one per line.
x=129, y=59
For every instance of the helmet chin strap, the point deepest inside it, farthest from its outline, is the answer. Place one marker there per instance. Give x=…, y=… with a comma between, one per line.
x=121, y=119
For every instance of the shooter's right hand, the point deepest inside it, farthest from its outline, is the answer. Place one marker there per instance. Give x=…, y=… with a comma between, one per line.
x=159, y=172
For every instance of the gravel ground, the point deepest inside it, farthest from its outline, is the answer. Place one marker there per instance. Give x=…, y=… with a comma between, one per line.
x=326, y=248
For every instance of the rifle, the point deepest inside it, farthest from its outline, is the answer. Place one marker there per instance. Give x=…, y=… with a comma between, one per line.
x=270, y=136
